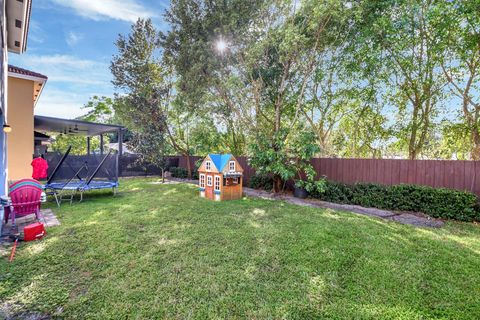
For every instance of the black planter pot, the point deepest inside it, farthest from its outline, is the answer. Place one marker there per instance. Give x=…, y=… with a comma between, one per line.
x=300, y=193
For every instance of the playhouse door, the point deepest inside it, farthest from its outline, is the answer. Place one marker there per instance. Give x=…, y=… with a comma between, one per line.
x=209, y=188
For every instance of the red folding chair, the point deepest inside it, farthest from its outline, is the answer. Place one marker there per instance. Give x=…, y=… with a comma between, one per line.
x=25, y=198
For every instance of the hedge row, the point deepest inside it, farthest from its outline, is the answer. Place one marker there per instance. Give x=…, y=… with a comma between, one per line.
x=435, y=202
x=182, y=173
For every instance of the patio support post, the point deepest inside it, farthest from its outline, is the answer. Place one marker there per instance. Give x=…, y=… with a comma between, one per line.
x=120, y=142
x=101, y=144
x=88, y=146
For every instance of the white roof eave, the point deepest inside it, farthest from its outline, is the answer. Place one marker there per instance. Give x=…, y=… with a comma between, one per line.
x=17, y=13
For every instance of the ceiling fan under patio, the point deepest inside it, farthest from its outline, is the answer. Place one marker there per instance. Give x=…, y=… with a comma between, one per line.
x=76, y=130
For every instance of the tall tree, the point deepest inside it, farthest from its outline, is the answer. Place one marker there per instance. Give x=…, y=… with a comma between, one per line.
x=100, y=109
x=457, y=25
x=361, y=132
x=280, y=65
x=205, y=84
x=140, y=76
x=397, y=35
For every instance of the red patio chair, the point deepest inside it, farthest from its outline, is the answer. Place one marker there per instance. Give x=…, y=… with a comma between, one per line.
x=25, y=198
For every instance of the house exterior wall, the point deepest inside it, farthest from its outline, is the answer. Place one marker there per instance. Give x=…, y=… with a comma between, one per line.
x=3, y=97
x=20, y=142
x=3, y=60
x=3, y=105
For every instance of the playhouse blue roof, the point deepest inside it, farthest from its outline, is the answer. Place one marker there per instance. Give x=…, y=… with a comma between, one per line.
x=220, y=160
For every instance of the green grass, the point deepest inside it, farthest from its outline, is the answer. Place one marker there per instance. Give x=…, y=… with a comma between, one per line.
x=159, y=251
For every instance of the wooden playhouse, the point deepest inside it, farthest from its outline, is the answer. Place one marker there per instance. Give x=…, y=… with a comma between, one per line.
x=220, y=177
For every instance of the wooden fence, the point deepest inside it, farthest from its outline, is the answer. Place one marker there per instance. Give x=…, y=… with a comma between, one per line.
x=460, y=175
x=454, y=174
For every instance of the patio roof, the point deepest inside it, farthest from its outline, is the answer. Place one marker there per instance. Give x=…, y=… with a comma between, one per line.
x=73, y=126
x=40, y=136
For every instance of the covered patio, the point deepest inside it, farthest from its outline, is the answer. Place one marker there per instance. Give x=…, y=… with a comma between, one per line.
x=76, y=127
x=69, y=174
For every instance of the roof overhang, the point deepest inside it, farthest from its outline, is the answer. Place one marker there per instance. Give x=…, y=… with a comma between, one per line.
x=18, y=20
x=39, y=80
x=73, y=126
x=38, y=136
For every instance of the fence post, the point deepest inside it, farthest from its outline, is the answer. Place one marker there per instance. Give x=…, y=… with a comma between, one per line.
x=101, y=144
x=120, y=141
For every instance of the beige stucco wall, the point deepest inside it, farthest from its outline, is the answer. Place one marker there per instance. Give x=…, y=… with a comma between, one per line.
x=20, y=117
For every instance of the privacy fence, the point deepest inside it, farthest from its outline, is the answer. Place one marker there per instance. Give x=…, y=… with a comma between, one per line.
x=452, y=174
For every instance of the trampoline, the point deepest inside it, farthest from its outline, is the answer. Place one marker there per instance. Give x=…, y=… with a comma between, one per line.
x=79, y=174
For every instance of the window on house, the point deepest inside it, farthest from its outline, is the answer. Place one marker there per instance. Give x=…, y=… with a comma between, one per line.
x=208, y=165
x=217, y=183
x=231, y=166
x=235, y=180
x=202, y=181
x=209, y=181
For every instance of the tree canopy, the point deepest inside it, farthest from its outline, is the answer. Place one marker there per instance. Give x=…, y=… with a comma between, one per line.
x=382, y=79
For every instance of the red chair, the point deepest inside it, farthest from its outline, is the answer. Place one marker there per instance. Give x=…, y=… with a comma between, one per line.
x=25, y=198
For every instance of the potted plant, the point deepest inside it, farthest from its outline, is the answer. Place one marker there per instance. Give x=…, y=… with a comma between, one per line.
x=309, y=186
x=300, y=189
x=304, y=149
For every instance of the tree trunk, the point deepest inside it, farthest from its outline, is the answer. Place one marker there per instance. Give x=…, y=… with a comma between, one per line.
x=412, y=143
x=471, y=121
x=277, y=183
x=189, y=167
x=412, y=154
x=476, y=144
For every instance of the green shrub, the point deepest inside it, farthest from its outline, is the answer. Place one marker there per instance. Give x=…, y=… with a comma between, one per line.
x=179, y=172
x=261, y=181
x=182, y=173
x=438, y=203
x=335, y=192
x=371, y=195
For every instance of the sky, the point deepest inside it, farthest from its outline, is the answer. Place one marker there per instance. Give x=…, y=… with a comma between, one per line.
x=72, y=43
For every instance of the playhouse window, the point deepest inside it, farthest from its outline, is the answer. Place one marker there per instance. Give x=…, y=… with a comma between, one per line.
x=217, y=182
x=208, y=165
x=202, y=181
x=209, y=181
x=235, y=180
x=231, y=165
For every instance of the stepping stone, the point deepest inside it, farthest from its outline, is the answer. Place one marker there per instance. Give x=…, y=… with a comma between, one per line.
x=408, y=218
x=49, y=220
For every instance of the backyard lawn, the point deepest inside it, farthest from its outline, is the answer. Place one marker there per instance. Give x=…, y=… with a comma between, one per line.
x=159, y=251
